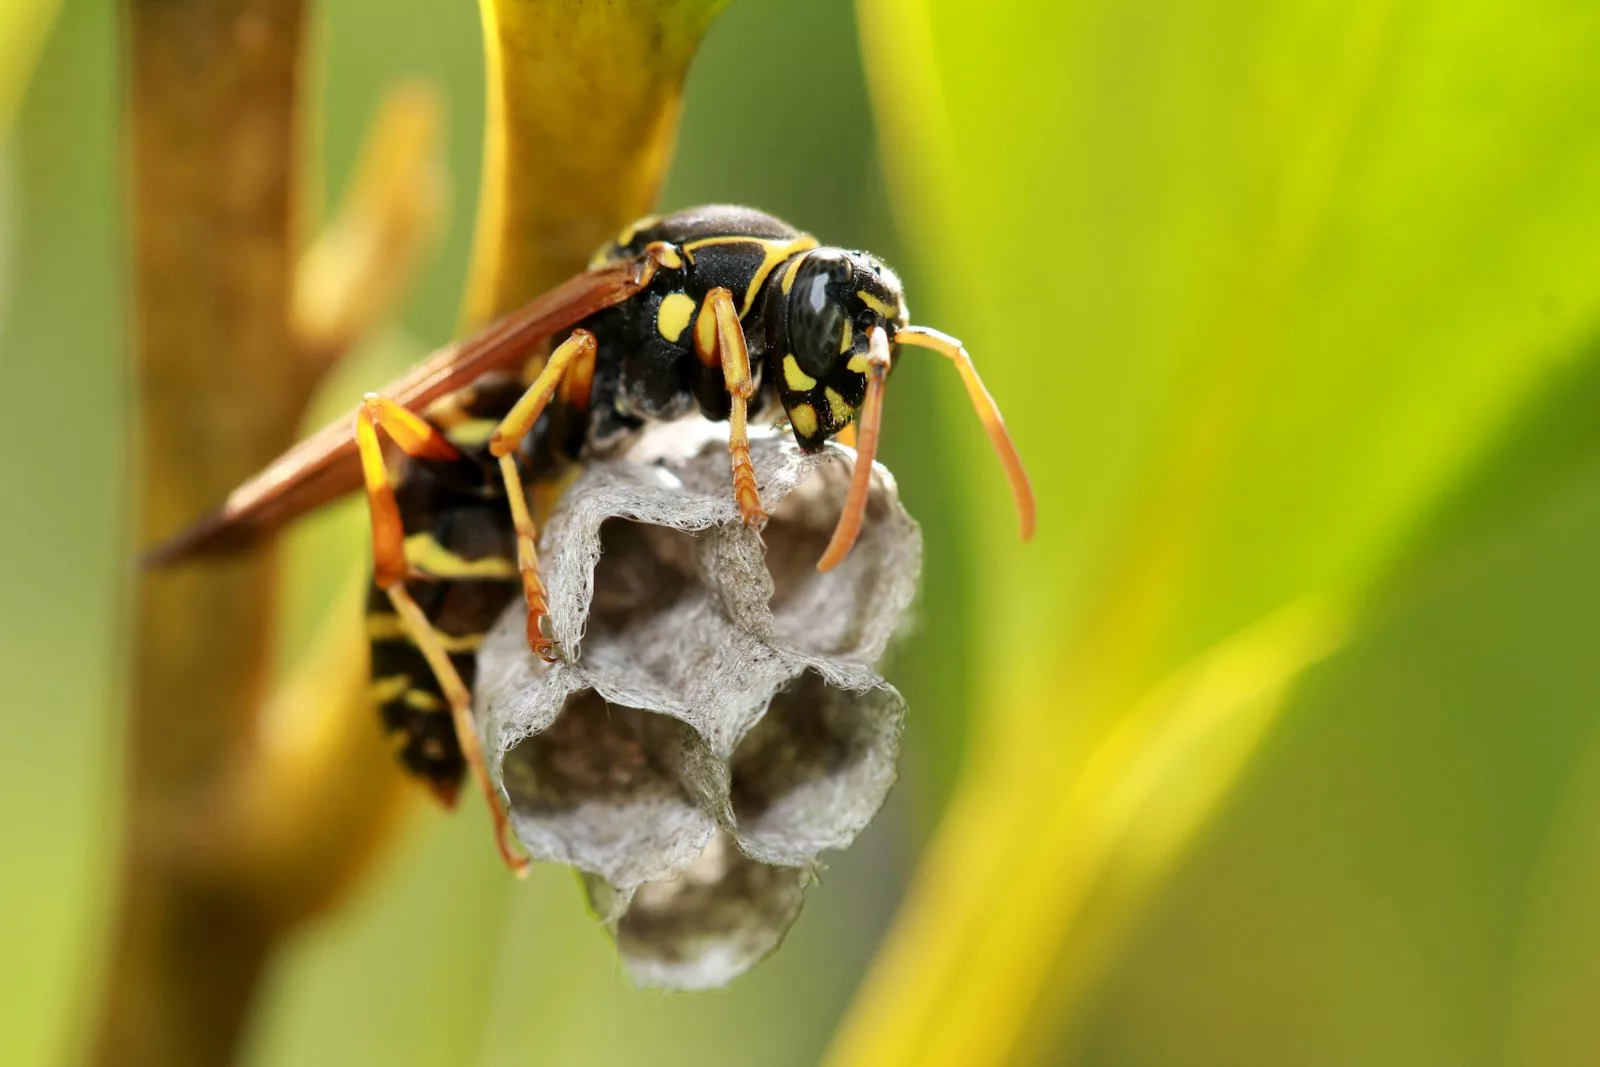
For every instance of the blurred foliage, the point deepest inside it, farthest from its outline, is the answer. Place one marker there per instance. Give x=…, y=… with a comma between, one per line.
x=60, y=365
x=1303, y=265
x=1293, y=313
x=26, y=24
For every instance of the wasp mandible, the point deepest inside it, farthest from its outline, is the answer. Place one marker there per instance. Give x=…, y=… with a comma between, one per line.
x=723, y=310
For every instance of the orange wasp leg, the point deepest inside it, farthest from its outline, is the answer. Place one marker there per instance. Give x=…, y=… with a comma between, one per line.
x=418, y=439
x=578, y=349
x=871, y=423
x=718, y=337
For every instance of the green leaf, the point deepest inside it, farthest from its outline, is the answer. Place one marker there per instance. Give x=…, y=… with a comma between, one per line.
x=1248, y=284
x=1414, y=851
x=1257, y=288
x=1407, y=873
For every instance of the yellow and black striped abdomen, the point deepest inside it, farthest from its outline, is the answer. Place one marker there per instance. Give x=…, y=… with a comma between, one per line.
x=461, y=549
x=409, y=698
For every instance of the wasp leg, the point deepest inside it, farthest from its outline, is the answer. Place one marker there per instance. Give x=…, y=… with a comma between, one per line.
x=418, y=439
x=427, y=640
x=718, y=337
x=577, y=349
x=871, y=421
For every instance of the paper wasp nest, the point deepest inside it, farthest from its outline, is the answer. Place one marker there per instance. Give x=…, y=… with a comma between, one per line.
x=717, y=721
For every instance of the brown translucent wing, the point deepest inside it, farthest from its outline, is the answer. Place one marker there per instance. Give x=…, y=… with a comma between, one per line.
x=325, y=466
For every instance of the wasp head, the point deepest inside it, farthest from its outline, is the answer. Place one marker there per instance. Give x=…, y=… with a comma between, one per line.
x=834, y=330
x=830, y=303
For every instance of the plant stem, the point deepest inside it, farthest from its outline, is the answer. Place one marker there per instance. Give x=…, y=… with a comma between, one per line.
x=213, y=151
x=229, y=845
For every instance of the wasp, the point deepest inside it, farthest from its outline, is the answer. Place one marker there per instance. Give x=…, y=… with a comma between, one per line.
x=721, y=310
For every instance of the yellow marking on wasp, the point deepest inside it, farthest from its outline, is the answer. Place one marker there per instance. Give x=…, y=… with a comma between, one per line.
x=617, y=251
x=471, y=433
x=877, y=305
x=803, y=417
x=673, y=318
x=841, y=409
x=788, y=275
x=450, y=410
x=384, y=626
x=428, y=555
x=796, y=379
x=461, y=642
x=773, y=252
x=847, y=337
x=632, y=230
x=383, y=690
x=859, y=363
x=423, y=700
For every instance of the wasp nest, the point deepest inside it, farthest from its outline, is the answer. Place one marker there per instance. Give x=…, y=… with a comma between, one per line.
x=717, y=720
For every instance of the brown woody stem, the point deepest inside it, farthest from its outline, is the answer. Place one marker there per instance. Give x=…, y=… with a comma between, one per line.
x=231, y=842
x=213, y=152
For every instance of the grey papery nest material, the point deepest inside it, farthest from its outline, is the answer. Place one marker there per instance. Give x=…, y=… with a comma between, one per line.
x=717, y=720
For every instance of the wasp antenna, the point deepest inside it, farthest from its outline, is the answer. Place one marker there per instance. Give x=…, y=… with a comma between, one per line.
x=871, y=421
x=988, y=414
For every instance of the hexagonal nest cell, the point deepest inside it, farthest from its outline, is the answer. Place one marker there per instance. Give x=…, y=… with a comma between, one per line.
x=716, y=720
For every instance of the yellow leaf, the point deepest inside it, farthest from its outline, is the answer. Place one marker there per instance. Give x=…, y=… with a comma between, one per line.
x=584, y=101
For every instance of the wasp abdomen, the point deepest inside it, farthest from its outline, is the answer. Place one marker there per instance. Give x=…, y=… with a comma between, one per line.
x=464, y=555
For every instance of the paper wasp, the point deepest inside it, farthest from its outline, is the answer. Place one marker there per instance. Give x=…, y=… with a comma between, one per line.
x=724, y=310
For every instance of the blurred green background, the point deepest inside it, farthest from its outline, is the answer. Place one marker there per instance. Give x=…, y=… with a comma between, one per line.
x=1284, y=303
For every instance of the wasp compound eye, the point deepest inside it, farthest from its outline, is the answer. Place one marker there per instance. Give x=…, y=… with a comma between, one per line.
x=818, y=313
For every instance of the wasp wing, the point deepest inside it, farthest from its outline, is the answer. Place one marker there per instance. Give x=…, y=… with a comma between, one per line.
x=326, y=466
